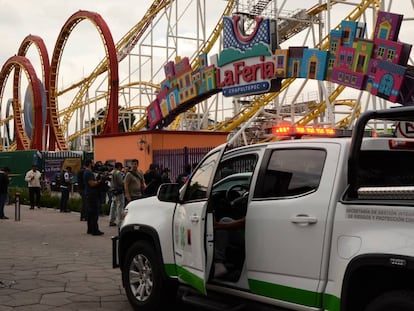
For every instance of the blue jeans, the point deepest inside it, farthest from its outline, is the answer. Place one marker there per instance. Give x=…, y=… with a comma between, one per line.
x=117, y=208
x=64, y=199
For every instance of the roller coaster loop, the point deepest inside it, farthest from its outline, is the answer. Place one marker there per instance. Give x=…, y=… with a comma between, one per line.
x=45, y=65
x=111, y=126
x=21, y=62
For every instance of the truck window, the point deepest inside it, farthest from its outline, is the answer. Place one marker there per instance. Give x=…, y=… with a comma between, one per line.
x=231, y=186
x=200, y=179
x=244, y=164
x=291, y=172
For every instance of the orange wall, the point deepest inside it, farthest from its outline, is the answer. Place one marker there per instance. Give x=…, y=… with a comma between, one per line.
x=125, y=146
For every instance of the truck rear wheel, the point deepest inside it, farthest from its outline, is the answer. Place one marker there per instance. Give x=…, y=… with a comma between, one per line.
x=145, y=284
x=402, y=300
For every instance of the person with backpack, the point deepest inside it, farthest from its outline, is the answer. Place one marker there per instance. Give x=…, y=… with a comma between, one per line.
x=118, y=198
x=65, y=188
x=134, y=183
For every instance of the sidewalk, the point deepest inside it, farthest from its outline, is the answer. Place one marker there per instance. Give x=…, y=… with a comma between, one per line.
x=48, y=262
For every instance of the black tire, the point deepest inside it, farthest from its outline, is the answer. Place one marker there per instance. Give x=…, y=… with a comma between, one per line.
x=149, y=290
x=401, y=300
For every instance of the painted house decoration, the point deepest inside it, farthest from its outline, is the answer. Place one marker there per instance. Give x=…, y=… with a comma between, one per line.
x=352, y=49
x=314, y=64
x=334, y=44
x=181, y=89
x=389, y=60
x=388, y=26
x=388, y=80
x=251, y=64
x=281, y=63
x=295, y=62
x=378, y=65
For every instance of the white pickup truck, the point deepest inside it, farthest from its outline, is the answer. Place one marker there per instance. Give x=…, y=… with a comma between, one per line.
x=318, y=224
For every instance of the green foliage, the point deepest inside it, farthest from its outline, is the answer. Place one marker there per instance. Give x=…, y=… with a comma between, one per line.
x=23, y=192
x=47, y=199
x=51, y=200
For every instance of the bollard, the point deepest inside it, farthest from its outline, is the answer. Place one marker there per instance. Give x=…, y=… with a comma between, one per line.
x=17, y=207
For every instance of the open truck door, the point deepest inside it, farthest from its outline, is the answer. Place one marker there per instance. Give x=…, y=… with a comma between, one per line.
x=193, y=227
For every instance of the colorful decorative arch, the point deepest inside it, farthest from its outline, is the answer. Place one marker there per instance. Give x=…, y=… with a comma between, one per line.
x=111, y=117
x=17, y=63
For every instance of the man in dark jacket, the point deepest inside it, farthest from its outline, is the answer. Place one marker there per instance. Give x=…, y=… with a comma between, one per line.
x=152, y=179
x=92, y=189
x=182, y=178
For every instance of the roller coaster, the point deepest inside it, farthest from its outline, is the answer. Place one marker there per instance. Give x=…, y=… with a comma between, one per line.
x=128, y=78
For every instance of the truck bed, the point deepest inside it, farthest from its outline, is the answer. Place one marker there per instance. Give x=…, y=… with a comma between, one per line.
x=386, y=175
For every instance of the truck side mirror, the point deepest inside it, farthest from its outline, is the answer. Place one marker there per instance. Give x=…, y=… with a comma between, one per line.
x=169, y=193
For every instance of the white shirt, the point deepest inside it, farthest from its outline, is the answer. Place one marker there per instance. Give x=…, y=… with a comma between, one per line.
x=33, y=178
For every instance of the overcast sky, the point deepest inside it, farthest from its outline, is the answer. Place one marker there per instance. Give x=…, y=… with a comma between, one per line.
x=45, y=18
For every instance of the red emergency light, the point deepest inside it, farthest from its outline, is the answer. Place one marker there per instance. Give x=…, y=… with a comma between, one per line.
x=298, y=130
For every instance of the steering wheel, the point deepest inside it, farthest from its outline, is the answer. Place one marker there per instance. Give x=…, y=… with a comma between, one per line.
x=236, y=192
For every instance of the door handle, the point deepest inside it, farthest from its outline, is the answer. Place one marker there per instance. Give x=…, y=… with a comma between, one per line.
x=194, y=219
x=303, y=220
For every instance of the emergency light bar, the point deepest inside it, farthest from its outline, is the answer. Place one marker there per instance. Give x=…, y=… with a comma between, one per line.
x=297, y=130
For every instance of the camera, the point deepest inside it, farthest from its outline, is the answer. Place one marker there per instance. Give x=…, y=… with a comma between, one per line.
x=103, y=175
x=99, y=167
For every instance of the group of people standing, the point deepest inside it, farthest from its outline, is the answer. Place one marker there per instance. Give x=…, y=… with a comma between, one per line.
x=125, y=185
x=132, y=185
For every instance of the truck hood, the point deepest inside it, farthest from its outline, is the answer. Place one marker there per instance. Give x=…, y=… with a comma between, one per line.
x=149, y=211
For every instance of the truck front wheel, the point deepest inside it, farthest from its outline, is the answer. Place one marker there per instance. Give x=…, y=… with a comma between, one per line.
x=146, y=287
x=402, y=300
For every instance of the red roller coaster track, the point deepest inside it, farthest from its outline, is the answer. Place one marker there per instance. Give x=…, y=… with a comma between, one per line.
x=50, y=79
x=111, y=124
x=44, y=57
x=21, y=62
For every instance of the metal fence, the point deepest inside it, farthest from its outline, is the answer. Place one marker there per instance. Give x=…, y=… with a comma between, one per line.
x=176, y=159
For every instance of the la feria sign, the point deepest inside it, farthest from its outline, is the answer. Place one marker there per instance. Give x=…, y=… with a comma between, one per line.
x=246, y=65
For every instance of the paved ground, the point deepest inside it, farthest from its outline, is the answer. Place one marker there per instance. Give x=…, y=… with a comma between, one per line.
x=48, y=262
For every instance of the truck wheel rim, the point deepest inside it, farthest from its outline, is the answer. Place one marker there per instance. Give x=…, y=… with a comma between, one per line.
x=140, y=277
